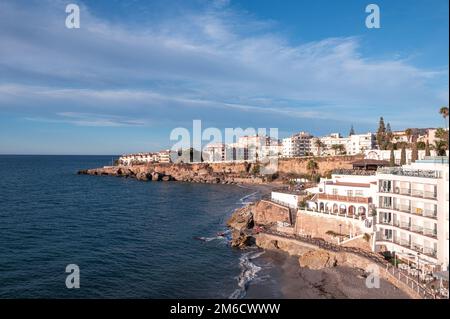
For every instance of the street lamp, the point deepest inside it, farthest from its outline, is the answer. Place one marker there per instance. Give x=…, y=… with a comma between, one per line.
x=340, y=232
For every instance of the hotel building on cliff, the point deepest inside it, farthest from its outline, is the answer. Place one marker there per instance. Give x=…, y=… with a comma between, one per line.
x=405, y=209
x=413, y=211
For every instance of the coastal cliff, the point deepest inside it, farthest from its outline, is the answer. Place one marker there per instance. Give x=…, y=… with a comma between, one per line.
x=194, y=173
x=225, y=173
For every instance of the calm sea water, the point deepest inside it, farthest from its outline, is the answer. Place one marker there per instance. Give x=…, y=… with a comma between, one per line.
x=130, y=239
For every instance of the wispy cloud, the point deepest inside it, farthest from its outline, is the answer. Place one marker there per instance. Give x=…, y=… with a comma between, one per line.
x=217, y=64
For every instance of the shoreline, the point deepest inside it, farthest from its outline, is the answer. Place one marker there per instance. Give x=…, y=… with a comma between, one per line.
x=286, y=279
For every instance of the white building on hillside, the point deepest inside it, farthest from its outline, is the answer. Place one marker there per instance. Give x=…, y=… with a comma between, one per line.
x=413, y=212
x=385, y=155
x=297, y=145
x=351, y=145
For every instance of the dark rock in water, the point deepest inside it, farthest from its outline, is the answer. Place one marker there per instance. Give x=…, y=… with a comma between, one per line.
x=142, y=176
x=241, y=240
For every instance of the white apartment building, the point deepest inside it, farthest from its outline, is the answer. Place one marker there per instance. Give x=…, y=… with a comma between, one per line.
x=214, y=152
x=413, y=212
x=359, y=143
x=138, y=158
x=348, y=194
x=297, y=145
x=352, y=145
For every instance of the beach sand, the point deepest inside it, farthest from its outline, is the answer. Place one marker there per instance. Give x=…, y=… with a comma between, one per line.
x=282, y=277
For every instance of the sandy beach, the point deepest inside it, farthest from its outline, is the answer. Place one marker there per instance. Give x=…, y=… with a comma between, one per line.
x=282, y=277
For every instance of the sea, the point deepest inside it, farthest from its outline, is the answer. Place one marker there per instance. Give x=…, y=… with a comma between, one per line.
x=127, y=238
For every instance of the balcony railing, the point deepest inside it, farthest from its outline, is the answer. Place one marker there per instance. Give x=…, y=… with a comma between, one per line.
x=429, y=195
x=413, y=246
x=409, y=172
x=403, y=208
x=417, y=229
x=429, y=213
x=417, y=192
x=430, y=252
x=405, y=191
x=430, y=232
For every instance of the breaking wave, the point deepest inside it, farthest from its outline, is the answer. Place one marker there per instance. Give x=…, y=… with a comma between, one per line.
x=248, y=273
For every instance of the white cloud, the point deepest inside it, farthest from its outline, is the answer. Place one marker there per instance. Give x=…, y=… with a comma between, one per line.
x=216, y=59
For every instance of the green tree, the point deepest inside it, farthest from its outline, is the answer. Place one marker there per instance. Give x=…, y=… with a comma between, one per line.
x=440, y=146
x=427, y=149
x=392, y=158
x=444, y=112
x=420, y=145
x=381, y=134
x=318, y=143
x=408, y=133
x=414, y=153
x=403, y=156
x=312, y=166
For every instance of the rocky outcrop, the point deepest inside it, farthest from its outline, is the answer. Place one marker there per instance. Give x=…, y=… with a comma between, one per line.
x=214, y=173
x=242, y=218
x=318, y=259
x=223, y=173
x=241, y=223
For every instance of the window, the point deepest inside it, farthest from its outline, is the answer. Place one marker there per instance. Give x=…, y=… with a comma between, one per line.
x=359, y=193
x=335, y=191
x=350, y=193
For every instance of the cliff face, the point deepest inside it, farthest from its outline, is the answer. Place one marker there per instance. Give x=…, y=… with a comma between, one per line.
x=196, y=173
x=266, y=212
x=220, y=172
x=326, y=164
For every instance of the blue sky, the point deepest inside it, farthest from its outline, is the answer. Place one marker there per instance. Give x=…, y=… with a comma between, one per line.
x=135, y=70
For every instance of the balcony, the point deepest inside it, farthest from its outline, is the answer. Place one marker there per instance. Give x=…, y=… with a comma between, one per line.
x=404, y=191
x=431, y=252
x=429, y=195
x=430, y=232
x=403, y=208
x=417, y=192
x=429, y=213
x=402, y=224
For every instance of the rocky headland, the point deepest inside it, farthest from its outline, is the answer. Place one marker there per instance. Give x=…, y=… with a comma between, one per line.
x=224, y=173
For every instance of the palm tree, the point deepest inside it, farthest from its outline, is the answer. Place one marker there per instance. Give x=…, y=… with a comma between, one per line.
x=440, y=146
x=318, y=143
x=312, y=166
x=427, y=149
x=444, y=112
x=408, y=133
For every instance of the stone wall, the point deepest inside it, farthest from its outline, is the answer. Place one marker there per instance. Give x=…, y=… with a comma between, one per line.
x=317, y=226
x=326, y=164
x=266, y=212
